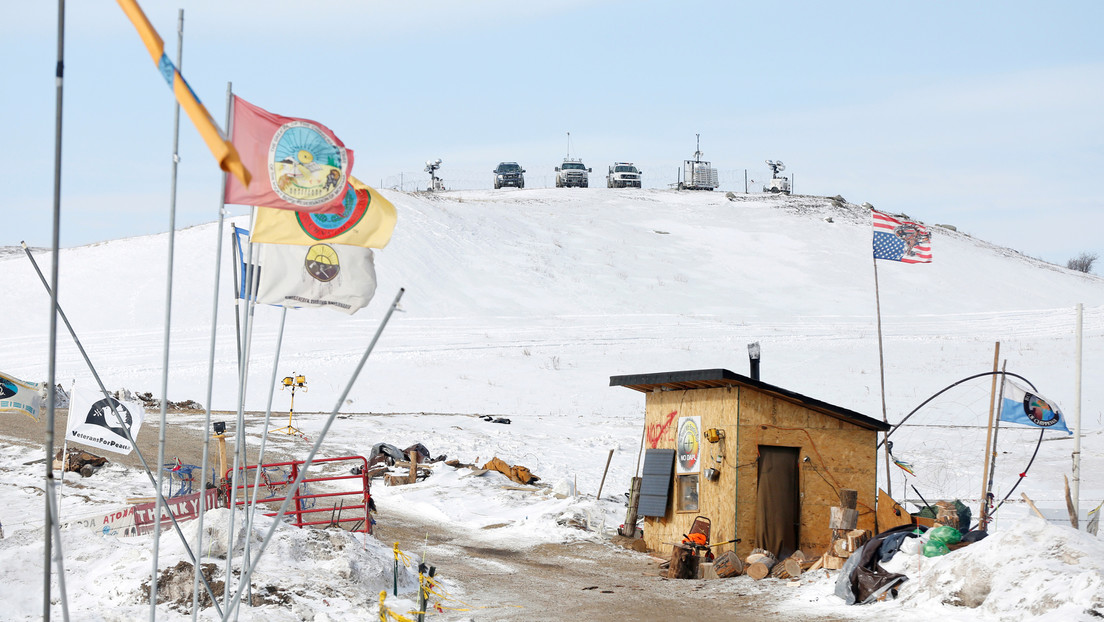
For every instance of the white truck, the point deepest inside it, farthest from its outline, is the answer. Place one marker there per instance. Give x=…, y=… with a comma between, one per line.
x=572, y=173
x=623, y=175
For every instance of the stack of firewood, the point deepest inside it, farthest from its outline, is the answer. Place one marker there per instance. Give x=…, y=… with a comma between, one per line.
x=761, y=564
x=846, y=539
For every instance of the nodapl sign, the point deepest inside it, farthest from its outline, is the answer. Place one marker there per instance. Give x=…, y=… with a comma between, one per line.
x=139, y=519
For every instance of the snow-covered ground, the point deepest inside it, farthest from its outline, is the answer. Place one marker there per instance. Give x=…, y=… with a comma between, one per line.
x=522, y=304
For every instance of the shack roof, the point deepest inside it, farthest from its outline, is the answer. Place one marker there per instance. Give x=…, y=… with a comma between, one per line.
x=714, y=378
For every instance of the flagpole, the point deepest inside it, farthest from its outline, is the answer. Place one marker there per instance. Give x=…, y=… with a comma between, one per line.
x=235, y=253
x=983, y=512
x=881, y=374
x=52, y=352
x=1077, y=420
x=211, y=359
x=251, y=506
x=239, y=437
x=158, y=507
x=276, y=520
x=993, y=459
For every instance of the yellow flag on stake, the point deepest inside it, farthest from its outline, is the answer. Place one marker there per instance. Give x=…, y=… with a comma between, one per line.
x=367, y=220
x=222, y=149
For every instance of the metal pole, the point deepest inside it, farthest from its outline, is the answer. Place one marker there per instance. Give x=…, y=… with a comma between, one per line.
x=252, y=506
x=52, y=352
x=239, y=437
x=881, y=374
x=277, y=519
x=158, y=504
x=235, y=253
x=211, y=360
x=118, y=418
x=745, y=182
x=1076, y=490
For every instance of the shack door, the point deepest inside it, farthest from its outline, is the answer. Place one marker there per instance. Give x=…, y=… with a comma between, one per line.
x=778, y=506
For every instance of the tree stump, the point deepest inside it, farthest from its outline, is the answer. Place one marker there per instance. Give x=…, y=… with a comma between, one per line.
x=684, y=564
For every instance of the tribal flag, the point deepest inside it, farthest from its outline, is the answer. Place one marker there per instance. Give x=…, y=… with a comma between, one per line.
x=899, y=240
x=222, y=149
x=336, y=276
x=302, y=165
x=367, y=219
x=19, y=396
x=93, y=422
x=1019, y=405
x=905, y=466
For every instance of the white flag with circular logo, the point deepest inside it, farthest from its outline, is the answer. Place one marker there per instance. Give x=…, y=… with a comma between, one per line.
x=335, y=276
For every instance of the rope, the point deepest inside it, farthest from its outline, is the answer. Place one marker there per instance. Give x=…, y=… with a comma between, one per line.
x=385, y=613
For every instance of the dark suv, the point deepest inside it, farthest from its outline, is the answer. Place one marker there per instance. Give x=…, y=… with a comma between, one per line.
x=509, y=174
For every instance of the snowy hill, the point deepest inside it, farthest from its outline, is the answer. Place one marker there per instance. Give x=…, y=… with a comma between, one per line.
x=524, y=303
x=527, y=301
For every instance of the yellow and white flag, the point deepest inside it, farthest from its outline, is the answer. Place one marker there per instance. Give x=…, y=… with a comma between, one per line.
x=19, y=396
x=367, y=219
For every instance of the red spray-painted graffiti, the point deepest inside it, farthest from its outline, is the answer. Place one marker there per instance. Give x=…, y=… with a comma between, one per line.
x=661, y=431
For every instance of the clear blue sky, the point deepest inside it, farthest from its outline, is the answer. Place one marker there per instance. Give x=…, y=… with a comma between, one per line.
x=985, y=115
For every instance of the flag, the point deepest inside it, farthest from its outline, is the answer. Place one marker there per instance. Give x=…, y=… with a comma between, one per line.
x=899, y=240
x=1019, y=405
x=93, y=422
x=19, y=396
x=905, y=466
x=241, y=240
x=301, y=164
x=367, y=219
x=336, y=276
x=222, y=149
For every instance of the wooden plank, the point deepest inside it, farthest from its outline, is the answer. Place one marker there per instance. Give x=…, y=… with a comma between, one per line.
x=890, y=513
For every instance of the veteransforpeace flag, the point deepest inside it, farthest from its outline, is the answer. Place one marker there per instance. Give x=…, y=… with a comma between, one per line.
x=367, y=219
x=899, y=240
x=301, y=165
x=1020, y=405
x=335, y=276
x=20, y=396
x=92, y=421
x=222, y=149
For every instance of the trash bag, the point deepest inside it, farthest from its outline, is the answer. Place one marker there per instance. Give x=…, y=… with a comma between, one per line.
x=944, y=533
x=385, y=453
x=935, y=548
x=862, y=579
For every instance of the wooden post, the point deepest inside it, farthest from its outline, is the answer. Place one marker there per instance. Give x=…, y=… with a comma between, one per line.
x=983, y=513
x=604, y=471
x=1032, y=504
x=849, y=498
x=222, y=457
x=629, y=530
x=413, y=477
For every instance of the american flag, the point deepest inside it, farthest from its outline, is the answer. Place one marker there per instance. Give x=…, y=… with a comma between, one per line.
x=900, y=240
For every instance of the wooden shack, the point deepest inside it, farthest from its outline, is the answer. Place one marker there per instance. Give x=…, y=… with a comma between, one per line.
x=761, y=463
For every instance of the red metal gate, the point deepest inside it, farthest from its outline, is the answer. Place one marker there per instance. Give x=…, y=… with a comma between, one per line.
x=336, y=492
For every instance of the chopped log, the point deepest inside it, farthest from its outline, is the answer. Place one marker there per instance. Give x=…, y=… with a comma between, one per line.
x=793, y=567
x=760, y=569
x=849, y=499
x=839, y=548
x=843, y=518
x=856, y=538
x=946, y=514
x=800, y=556
x=831, y=562
x=728, y=564
x=778, y=571
x=684, y=564
x=707, y=570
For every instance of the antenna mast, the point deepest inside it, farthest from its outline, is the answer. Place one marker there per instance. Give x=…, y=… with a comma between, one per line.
x=569, y=145
x=697, y=152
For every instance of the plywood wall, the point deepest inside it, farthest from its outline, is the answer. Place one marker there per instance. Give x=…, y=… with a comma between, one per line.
x=716, y=499
x=841, y=455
